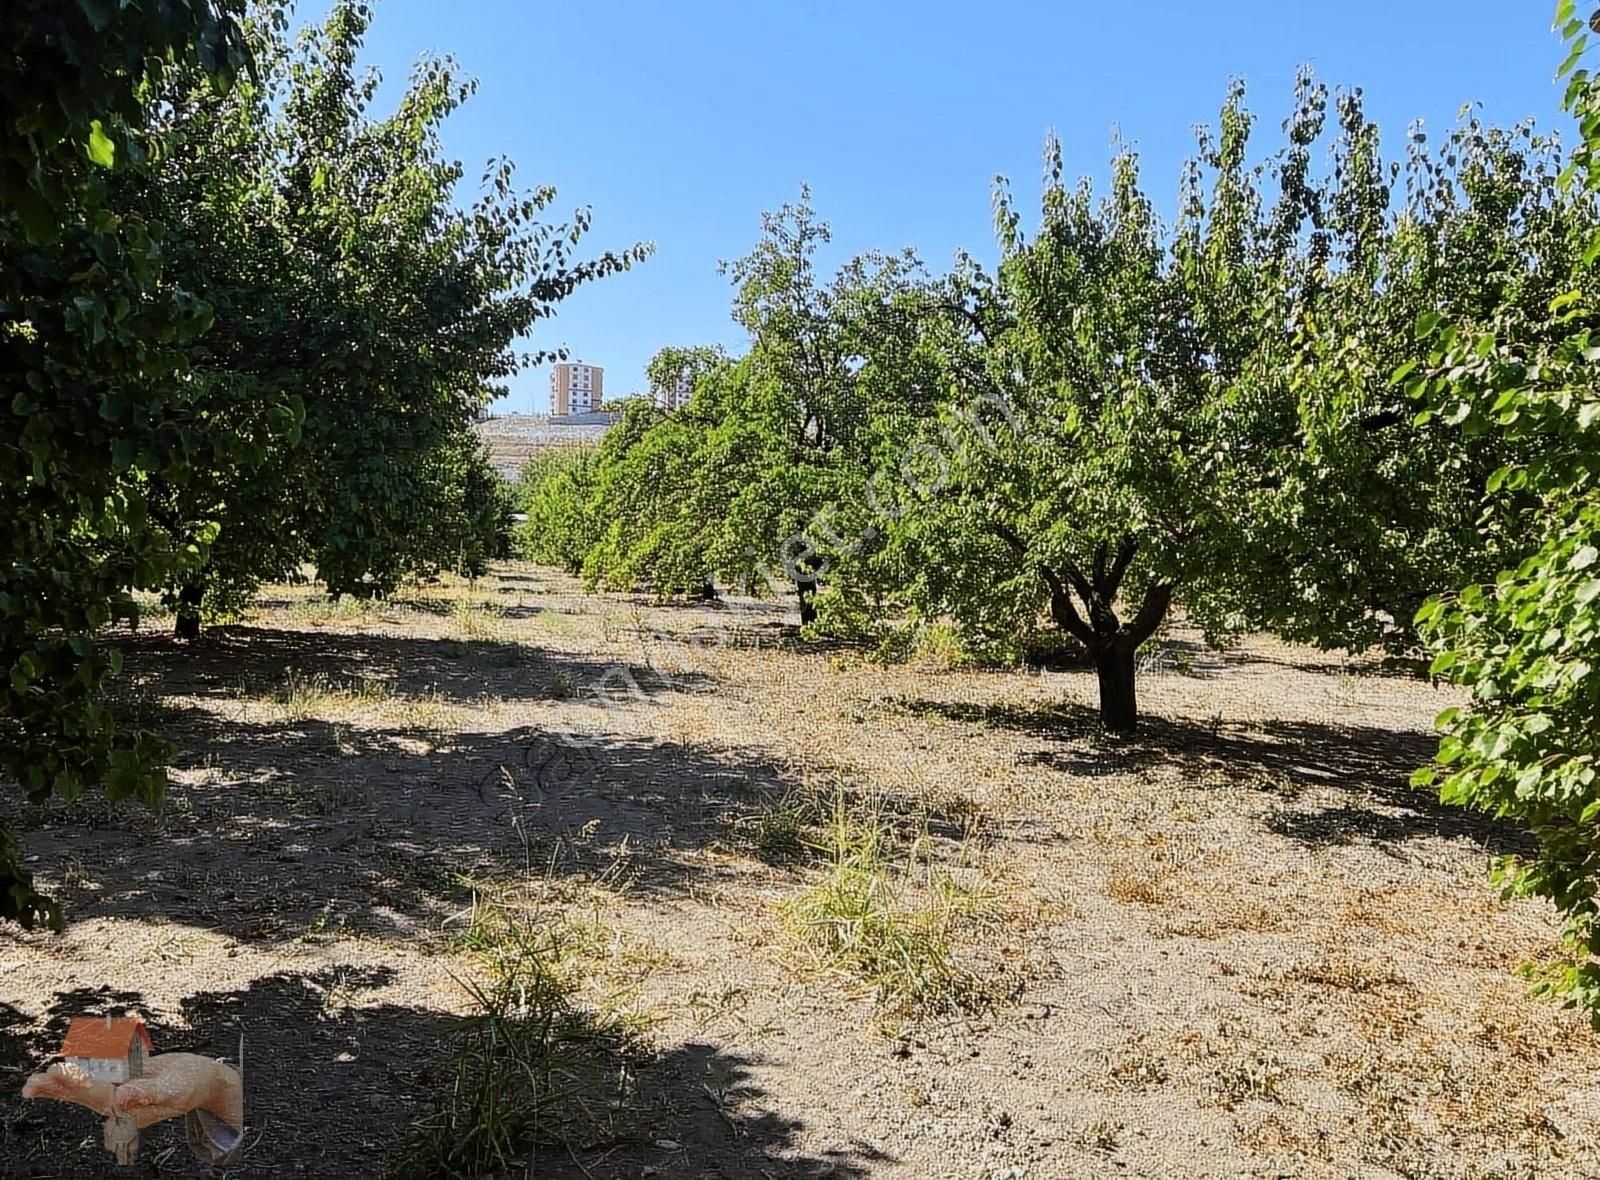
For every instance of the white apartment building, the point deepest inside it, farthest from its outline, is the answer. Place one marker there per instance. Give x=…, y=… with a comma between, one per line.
x=674, y=395
x=575, y=388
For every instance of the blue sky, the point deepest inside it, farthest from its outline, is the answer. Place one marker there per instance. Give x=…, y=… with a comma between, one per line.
x=680, y=122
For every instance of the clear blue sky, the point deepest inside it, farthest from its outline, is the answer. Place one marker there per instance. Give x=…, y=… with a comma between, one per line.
x=679, y=122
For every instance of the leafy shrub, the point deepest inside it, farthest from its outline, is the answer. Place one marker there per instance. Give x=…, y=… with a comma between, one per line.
x=1527, y=644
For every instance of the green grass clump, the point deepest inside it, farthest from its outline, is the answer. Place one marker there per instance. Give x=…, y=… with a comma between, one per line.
x=896, y=922
x=477, y=622
x=520, y=1061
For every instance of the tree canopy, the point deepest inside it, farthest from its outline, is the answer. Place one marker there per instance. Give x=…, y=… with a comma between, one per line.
x=1122, y=417
x=248, y=325
x=1526, y=642
x=93, y=366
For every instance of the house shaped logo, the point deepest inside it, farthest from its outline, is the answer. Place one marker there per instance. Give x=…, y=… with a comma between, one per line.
x=108, y=1050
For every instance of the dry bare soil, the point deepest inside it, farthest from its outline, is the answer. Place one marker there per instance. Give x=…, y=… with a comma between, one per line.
x=1236, y=945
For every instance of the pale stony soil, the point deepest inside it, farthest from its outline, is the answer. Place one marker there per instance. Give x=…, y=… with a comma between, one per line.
x=513, y=439
x=1237, y=945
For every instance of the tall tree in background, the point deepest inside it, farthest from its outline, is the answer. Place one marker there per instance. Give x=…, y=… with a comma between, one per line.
x=359, y=321
x=1144, y=415
x=364, y=320
x=734, y=486
x=93, y=363
x=555, y=491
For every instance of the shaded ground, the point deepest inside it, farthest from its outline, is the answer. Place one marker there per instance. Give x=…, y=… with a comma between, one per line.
x=1247, y=947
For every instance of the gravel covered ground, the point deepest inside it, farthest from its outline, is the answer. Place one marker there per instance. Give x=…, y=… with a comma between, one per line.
x=513, y=439
x=1236, y=945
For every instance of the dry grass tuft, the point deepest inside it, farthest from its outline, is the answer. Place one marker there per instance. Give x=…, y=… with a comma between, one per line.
x=1237, y=1078
x=898, y=922
x=477, y=622
x=1136, y=1066
x=1217, y=915
x=317, y=697
x=1136, y=883
x=1102, y=1136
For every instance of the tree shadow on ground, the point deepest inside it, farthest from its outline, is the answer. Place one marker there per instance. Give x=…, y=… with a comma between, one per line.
x=1368, y=768
x=229, y=662
x=1377, y=665
x=334, y=1078
x=310, y=826
x=287, y=827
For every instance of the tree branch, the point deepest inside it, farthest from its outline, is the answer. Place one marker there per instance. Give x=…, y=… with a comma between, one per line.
x=1081, y=585
x=1151, y=612
x=1384, y=419
x=1009, y=535
x=971, y=316
x=1063, y=612
x=1126, y=548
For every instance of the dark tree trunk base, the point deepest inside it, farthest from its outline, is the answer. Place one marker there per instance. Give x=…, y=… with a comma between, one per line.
x=187, y=623
x=1119, y=703
x=808, y=611
x=1111, y=643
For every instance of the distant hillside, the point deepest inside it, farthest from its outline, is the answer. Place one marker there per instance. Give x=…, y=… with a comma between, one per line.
x=513, y=438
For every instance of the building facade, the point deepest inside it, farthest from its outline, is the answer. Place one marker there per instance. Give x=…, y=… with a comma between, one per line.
x=674, y=394
x=575, y=388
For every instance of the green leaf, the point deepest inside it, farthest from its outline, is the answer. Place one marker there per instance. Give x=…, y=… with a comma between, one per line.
x=99, y=13
x=102, y=150
x=1564, y=300
x=40, y=217
x=1573, y=58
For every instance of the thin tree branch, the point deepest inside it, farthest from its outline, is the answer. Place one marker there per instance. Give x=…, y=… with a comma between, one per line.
x=1119, y=566
x=1081, y=585
x=971, y=316
x=1384, y=419
x=1009, y=535
x=1063, y=612
x=1157, y=600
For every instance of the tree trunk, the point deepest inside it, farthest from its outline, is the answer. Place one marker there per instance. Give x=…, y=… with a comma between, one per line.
x=1119, y=704
x=187, y=623
x=808, y=612
x=1112, y=643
